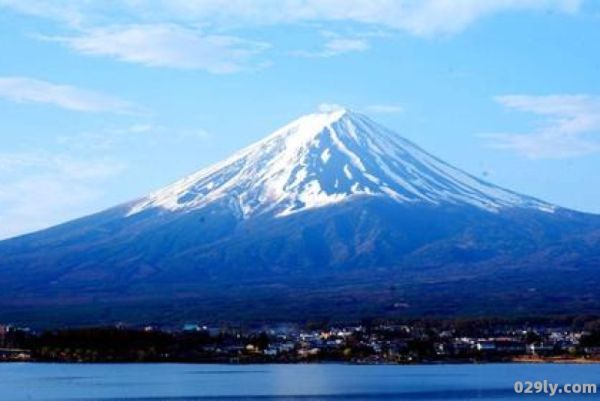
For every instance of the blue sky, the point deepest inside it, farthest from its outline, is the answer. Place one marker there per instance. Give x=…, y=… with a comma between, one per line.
x=102, y=102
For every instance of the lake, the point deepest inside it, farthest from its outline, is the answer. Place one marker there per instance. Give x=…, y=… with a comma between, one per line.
x=188, y=382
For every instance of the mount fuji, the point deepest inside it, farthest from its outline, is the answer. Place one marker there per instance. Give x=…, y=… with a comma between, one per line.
x=326, y=158
x=331, y=216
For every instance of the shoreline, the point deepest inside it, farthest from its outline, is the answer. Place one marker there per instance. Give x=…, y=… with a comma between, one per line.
x=390, y=343
x=560, y=360
x=515, y=360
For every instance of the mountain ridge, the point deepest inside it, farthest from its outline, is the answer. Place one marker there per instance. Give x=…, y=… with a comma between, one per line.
x=324, y=158
x=281, y=226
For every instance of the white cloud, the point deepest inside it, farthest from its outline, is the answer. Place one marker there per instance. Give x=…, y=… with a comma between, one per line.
x=167, y=45
x=163, y=33
x=329, y=107
x=570, y=122
x=66, y=166
x=334, y=45
x=39, y=189
x=29, y=90
x=385, y=108
x=344, y=45
x=140, y=128
x=440, y=17
x=69, y=12
x=416, y=17
x=39, y=202
x=197, y=134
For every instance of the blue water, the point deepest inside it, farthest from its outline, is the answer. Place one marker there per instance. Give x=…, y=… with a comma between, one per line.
x=188, y=382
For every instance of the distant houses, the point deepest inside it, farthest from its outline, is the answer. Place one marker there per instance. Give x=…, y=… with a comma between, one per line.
x=381, y=343
x=17, y=355
x=7, y=350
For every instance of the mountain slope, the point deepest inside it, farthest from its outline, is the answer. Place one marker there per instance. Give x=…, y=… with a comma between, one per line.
x=330, y=216
x=321, y=159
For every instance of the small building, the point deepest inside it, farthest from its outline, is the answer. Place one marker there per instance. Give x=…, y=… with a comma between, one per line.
x=593, y=351
x=510, y=347
x=191, y=328
x=485, y=345
x=12, y=354
x=287, y=346
x=304, y=353
x=540, y=349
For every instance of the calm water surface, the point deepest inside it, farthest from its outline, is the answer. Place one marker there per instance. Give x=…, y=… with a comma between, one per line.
x=188, y=382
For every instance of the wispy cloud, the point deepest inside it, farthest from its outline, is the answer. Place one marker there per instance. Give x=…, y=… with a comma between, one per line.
x=570, y=123
x=385, y=108
x=29, y=90
x=142, y=133
x=444, y=17
x=417, y=17
x=335, y=44
x=329, y=107
x=194, y=134
x=40, y=189
x=68, y=12
x=167, y=45
x=159, y=33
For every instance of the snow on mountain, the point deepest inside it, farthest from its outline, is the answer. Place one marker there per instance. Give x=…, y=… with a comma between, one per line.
x=325, y=158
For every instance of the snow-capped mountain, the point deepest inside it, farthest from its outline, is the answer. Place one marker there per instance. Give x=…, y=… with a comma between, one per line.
x=325, y=158
x=330, y=216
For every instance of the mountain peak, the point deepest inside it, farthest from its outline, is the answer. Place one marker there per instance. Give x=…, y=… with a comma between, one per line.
x=325, y=158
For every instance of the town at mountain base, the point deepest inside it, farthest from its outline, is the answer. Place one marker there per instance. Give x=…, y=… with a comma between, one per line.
x=330, y=217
